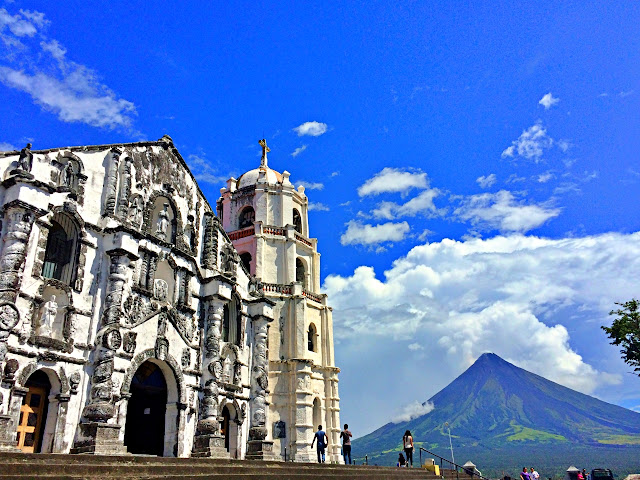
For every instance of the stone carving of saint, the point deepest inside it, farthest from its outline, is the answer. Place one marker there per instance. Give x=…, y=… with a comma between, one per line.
x=227, y=370
x=135, y=211
x=25, y=161
x=49, y=312
x=188, y=232
x=161, y=290
x=163, y=223
x=68, y=175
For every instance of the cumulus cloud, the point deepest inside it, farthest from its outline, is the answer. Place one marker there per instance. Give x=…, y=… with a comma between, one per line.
x=502, y=211
x=298, y=151
x=548, y=101
x=366, y=234
x=204, y=171
x=318, y=207
x=459, y=299
x=530, y=145
x=38, y=66
x=314, y=129
x=413, y=410
x=393, y=180
x=421, y=203
x=415, y=346
x=488, y=181
x=310, y=185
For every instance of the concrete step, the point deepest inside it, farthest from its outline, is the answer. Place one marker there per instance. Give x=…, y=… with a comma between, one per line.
x=20, y=466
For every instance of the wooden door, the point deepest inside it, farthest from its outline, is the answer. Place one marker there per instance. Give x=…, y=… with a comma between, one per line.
x=30, y=424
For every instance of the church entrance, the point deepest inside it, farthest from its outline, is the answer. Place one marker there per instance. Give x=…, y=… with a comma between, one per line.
x=229, y=429
x=144, y=429
x=33, y=413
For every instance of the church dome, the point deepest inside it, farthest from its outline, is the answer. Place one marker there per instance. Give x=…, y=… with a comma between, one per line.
x=251, y=177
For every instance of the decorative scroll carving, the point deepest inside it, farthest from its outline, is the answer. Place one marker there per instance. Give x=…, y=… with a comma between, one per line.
x=210, y=241
x=129, y=342
x=74, y=382
x=109, y=339
x=185, y=360
x=259, y=381
x=13, y=255
x=208, y=423
x=125, y=188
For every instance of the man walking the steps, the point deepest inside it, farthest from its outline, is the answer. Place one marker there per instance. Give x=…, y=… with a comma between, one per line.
x=323, y=440
x=345, y=435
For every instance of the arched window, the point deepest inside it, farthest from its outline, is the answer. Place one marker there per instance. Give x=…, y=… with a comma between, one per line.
x=60, y=254
x=317, y=413
x=247, y=217
x=297, y=221
x=311, y=338
x=301, y=273
x=245, y=258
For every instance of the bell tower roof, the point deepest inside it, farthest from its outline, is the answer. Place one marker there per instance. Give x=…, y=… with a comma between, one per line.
x=251, y=177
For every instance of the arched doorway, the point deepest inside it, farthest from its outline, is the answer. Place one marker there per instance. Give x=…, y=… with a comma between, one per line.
x=146, y=410
x=317, y=413
x=229, y=429
x=33, y=413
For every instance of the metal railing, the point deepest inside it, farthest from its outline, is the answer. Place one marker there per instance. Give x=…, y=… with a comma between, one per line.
x=460, y=470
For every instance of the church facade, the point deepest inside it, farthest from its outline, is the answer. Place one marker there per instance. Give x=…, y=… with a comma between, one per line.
x=136, y=318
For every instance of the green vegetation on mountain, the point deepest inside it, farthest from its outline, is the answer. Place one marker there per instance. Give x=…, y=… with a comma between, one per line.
x=495, y=407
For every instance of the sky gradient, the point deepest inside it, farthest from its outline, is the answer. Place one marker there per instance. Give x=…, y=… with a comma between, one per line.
x=473, y=169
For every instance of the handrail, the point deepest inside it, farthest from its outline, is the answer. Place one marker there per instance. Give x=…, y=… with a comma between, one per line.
x=471, y=474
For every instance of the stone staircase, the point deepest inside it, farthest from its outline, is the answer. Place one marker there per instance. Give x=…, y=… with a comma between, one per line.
x=92, y=467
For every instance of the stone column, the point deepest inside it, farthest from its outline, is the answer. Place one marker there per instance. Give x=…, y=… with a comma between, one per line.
x=208, y=442
x=125, y=189
x=95, y=435
x=9, y=422
x=19, y=223
x=258, y=447
x=59, y=445
x=112, y=182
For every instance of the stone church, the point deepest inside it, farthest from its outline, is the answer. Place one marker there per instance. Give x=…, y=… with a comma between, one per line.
x=135, y=317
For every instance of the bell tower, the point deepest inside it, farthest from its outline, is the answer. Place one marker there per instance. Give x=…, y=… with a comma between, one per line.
x=266, y=218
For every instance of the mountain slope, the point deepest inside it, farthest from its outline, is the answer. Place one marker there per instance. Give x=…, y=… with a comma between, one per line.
x=496, y=405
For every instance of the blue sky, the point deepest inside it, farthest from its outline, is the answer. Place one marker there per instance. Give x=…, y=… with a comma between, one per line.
x=474, y=168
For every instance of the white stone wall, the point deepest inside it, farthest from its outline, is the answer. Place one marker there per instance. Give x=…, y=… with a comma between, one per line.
x=115, y=196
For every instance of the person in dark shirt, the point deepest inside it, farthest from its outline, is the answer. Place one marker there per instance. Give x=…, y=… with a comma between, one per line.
x=323, y=441
x=345, y=435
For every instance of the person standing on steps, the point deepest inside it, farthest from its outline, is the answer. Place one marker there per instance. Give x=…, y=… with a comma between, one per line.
x=345, y=435
x=407, y=442
x=323, y=441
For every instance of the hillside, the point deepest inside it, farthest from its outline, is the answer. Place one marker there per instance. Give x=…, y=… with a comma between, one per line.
x=497, y=410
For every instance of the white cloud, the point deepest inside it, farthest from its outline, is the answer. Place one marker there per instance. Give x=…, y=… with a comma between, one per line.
x=335, y=174
x=366, y=234
x=517, y=296
x=204, y=171
x=531, y=144
x=318, y=207
x=310, y=185
x=413, y=410
x=7, y=147
x=298, y=151
x=548, y=101
x=626, y=93
x=393, y=180
x=421, y=203
x=23, y=24
x=545, y=177
x=71, y=91
x=502, y=211
x=314, y=129
x=486, y=182
x=415, y=347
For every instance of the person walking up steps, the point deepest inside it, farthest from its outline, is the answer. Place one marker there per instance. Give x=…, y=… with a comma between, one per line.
x=407, y=442
x=345, y=435
x=323, y=440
